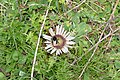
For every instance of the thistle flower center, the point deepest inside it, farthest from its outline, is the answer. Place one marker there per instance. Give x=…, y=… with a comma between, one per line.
x=58, y=41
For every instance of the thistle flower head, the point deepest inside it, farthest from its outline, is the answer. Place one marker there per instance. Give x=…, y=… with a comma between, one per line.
x=59, y=41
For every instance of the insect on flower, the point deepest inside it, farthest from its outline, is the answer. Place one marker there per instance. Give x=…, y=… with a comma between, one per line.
x=59, y=41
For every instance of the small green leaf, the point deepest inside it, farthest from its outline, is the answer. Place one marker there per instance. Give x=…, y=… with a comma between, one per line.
x=80, y=48
x=2, y=76
x=21, y=73
x=117, y=64
x=22, y=59
x=29, y=36
x=86, y=76
x=53, y=17
x=62, y=1
x=51, y=62
x=57, y=4
x=15, y=55
x=75, y=18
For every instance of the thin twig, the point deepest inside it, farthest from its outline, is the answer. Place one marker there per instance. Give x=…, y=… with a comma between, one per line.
x=109, y=42
x=88, y=39
x=25, y=2
x=117, y=1
x=3, y=6
x=75, y=60
x=101, y=25
x=75, y=7
x=35, y=55
x=97, y=5
x=87, y=63
x=91, y=7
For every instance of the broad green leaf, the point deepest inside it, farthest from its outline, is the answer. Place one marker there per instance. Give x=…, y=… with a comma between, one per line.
x=82, y=29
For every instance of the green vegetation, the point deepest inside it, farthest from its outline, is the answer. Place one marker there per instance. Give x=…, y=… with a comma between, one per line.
x=20, y=22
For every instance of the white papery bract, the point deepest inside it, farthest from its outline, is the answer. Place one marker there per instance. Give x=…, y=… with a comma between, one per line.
x=59, y=41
